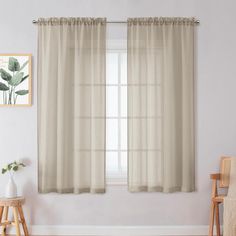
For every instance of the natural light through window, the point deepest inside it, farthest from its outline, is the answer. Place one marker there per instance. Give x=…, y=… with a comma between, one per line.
x=116, y=117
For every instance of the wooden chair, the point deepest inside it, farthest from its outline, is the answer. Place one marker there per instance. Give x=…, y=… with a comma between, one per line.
x=217, y=199
x=16, y=205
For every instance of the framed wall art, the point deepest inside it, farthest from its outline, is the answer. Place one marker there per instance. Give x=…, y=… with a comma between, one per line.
x=15, y=80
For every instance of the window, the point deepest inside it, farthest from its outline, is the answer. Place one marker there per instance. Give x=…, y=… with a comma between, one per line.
x=116, y=117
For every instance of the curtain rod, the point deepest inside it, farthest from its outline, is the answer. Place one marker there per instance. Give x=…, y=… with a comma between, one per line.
x=118, y=22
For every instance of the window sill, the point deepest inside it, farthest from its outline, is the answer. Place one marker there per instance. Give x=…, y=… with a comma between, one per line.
x=116, y=181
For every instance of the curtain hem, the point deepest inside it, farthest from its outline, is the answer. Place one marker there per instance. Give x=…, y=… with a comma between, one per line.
x=136, y=189
x=72, y=190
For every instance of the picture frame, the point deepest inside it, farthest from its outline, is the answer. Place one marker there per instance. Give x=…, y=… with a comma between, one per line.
x=15, y=80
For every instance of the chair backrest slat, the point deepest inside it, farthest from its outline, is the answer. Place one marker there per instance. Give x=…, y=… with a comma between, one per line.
x=225, y=172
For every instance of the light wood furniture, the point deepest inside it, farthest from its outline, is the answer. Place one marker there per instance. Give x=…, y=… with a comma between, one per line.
x=16, y=205
x=219, y=180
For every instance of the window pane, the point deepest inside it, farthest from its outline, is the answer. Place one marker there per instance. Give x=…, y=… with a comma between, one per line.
x=116, y=140
x=112, y=134
x=123, y=101
x=123, y=134
x=111, y=162
x=123, y=64
x=112, y=68
x=112, y=101
x=124, y=161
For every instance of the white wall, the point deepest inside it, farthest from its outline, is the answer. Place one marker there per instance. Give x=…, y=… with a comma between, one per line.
x=215, y=113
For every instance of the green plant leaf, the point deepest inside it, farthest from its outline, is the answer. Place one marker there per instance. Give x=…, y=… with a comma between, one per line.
x=24, y=65
x=22, y=92
x=16, y=79
x=13, y=64
x=24, y=78
x=5, y=75
x=3, y=87
x=9, y=166
x=13, y=166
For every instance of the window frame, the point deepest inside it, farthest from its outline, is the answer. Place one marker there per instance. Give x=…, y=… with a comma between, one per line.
x=121, y=178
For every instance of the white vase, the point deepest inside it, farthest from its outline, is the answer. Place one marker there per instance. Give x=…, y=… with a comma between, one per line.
x=11, y=189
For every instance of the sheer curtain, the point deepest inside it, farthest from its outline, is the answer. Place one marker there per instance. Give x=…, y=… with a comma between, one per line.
x=160, y=104
x=230, y=203
x=71, y=104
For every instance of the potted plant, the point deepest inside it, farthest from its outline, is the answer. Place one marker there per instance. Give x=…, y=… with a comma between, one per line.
x=11, y=189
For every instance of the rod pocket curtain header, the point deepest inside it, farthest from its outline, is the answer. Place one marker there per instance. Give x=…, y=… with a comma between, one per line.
x=162, y=21
x=71, y=21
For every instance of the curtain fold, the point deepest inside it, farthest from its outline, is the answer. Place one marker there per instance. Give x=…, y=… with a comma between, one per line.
x=71, y=104
x=160, y=104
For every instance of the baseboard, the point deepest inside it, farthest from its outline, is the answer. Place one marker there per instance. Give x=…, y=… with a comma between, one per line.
x=117, y=230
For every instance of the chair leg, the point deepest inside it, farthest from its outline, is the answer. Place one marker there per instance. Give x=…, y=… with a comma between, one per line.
x=5, y=216
x=16, y=219
x=217, y=219
x=211, y=224
x=1, y=213
x=23, y=220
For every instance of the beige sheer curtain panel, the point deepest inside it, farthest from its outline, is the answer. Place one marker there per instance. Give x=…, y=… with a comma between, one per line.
x=71, y=104
x=160, y=104
x=230, y=203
